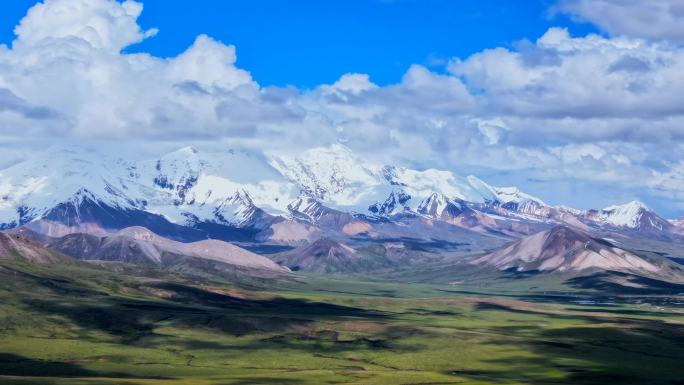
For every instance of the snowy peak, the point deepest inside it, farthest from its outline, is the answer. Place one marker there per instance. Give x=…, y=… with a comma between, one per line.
x=335, y=177
x=678, y=225
x=569, y=210
x=339, y=179
x=633, y=215
x=423, y=183
x=178, y=170
x=237, y=210
x=439, y=206
x=184, y=187
x=627, y=209
x=223, y=186
x=327, y=173
x=307, y=209
x=30, y=189
x=514, y=195
x=514, y=200
x=395, y=204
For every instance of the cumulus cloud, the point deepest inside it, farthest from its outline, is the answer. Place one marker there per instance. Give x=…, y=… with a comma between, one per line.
x=353, y=84
x=649, y=19
x=668, y=184
x=100, y=23
x=561, y=108
x=67, y=56
x=9, y=102
x=589, y=77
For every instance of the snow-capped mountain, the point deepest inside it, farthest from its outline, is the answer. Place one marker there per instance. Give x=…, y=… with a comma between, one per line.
x=397, y=203
x=308, y=209
x=83, y=189
x=68, y=190
x=221, y=186
x=440, y=206
x=423, y=183
x=569, y=210
x=339, y=179
x=512, y=199
x=334, y=175
x=633, y=215
x=59, y=176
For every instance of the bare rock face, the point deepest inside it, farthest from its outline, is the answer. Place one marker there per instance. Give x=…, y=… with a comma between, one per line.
x=15, y=246
x=565, y=249
x=142, y=246
x=323, y=256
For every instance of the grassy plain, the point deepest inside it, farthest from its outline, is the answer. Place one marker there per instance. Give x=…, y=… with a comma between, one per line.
x=77, y=324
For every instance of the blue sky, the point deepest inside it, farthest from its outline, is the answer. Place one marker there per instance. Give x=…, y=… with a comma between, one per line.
x=309, y=42
x=576, y=101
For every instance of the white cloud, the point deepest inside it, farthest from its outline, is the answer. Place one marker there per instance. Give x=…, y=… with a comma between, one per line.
x=67, y=58
x=103, y=24
x=650, y=19
x=559, y=109
x=589, y=77
x=493, y=130
x=669, y=184
x=354, y=84
x=209, y=64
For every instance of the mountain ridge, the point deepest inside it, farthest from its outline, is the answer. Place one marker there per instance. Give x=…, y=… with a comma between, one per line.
x=240, y=195
x=139, y=245
x=565, y=249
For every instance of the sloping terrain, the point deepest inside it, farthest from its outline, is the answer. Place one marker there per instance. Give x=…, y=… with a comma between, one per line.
x=326, y=256
x=15, y=246
x=567, y=250
x=141, y=246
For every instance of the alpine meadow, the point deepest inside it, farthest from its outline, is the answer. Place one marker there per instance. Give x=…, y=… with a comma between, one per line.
x=385, y=192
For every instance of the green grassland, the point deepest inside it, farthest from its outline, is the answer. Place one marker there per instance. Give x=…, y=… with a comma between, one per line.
x=81, y=324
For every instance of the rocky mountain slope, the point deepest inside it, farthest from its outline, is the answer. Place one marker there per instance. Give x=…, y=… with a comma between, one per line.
x=564, y=249
x=324, y=256
x=141, y=246
x=15, y=246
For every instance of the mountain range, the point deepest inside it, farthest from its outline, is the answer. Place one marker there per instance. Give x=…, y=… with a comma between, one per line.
x=326, y=210
x=260, y=197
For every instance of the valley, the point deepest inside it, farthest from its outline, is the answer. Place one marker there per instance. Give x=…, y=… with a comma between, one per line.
x=88, y=323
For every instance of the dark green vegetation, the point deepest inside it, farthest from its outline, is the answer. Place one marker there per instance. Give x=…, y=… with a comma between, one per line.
x=115, y=324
